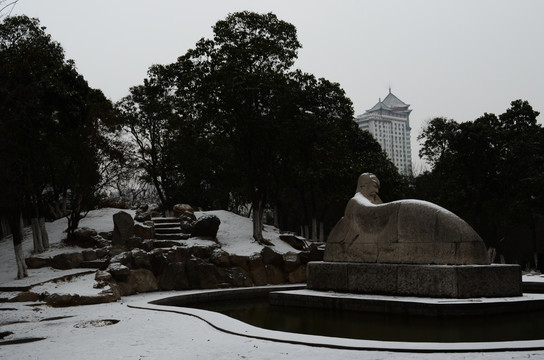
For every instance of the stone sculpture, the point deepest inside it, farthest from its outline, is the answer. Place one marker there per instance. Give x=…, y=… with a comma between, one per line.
x=123, y=229
x=402, y=232
x=407, y=248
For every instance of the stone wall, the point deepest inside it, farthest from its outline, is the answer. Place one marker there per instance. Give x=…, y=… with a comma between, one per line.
x=200, y=267
x=147, y=268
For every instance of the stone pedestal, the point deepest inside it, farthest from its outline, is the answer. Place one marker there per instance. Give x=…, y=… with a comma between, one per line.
x=445, y=281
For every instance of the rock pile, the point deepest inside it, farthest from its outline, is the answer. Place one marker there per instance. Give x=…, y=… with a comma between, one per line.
x=131, y=259
x=204, y=267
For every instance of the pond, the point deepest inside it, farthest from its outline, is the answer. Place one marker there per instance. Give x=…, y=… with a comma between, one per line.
x=379, y=326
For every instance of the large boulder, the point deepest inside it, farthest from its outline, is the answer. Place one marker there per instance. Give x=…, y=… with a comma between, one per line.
x=144, y=280
x=146, y=213
x=270, y=257
x=101, y=242
x=102, y=252
x=202, y=252
x=102, y=277
x=89, y=255
x=158, y=261
x=274, y=275
x=67, y=261
x=239, y=260
x=142, y=216
x=234, y=277
x=296, y=242
x=180, y=209
x=138, y=281
x=187, y=222
x=220, y=258
x=84, y=237
x=108, y=235
x=297, y=276
x=141, y=259
x=124, y=258
x=177, y=254
x=145, y=230
x=148, y=245
x=35, y=262
x=257, y=270
x=258, y=276
x=134, y=242
x=206, y=227
x=119, y=271
x=201, y=274
x=27, y=296
x=291, y=261
x=64, y=300
x=123, y=228
x=174, y=277
x=255, y=261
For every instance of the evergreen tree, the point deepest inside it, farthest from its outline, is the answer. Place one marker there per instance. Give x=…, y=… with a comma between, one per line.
x=52, y=130
x=488, y=171
x=240, y=126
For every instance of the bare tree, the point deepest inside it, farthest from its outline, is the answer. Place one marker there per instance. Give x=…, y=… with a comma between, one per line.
x=6, y=7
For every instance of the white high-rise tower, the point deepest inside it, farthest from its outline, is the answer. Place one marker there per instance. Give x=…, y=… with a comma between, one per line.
x=388, y=121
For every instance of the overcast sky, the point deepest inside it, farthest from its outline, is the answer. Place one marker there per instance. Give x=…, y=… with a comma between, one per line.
x=457, y=59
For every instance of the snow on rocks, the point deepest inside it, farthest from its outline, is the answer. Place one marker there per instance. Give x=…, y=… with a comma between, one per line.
x=114, y=330
x=231, y=259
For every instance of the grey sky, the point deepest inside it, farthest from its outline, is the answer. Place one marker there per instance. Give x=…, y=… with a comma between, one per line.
x=457, y=59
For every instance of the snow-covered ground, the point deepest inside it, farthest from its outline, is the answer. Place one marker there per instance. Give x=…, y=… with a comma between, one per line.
x=86, y=332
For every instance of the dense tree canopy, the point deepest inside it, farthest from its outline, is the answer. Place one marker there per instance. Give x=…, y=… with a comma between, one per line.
x=241, y=126
x=489, y=171
x=53, y=126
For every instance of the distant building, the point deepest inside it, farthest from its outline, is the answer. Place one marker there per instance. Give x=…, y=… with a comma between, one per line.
x=388, y=121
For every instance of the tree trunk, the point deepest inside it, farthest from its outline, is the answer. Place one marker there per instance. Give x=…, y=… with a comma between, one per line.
x=4, y=226
x=64, y=205
x=16, y=227
x=276, y=217
x=73, y=222
x=258, y=221
x=73, y=217
x=314, y=229
x=160, y=194
x=20, y=259
x=37, y=235
x=43, y=231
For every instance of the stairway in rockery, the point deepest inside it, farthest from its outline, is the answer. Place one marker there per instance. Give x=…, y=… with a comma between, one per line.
x=167, y=228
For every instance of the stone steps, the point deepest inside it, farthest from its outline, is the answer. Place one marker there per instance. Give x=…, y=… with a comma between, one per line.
x=167, y=230
x=166, y=225
x=179, y=236
x=161, y=220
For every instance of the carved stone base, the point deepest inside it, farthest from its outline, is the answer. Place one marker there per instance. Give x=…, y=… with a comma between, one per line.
x=447, y=281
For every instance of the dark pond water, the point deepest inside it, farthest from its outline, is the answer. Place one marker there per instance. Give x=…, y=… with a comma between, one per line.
x=386, y=327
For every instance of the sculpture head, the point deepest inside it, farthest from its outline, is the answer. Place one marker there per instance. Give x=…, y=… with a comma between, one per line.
x=369, y=185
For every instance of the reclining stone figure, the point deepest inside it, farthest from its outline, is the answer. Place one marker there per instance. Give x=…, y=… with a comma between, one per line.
x=403, y=232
